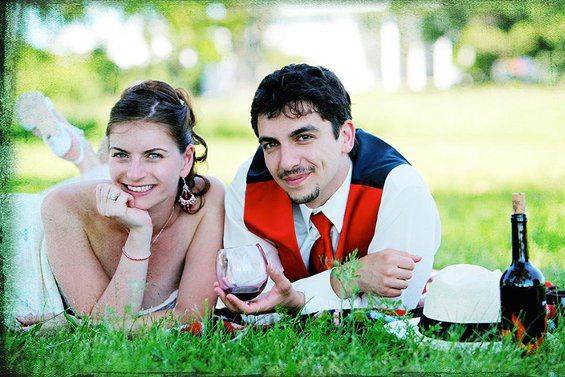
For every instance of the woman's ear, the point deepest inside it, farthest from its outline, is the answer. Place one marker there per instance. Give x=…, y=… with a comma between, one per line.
x=188, y=160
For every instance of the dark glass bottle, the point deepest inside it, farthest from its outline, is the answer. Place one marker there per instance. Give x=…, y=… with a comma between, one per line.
x=522, y=288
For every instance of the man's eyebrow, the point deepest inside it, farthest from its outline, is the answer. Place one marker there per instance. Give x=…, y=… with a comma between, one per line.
x=268, y=139
x=306, y=128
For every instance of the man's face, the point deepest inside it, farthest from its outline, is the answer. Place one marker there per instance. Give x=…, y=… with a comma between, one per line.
x=304, y=157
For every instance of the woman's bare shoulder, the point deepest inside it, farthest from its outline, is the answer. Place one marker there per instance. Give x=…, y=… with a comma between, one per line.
x=73, y=199
x=217, y=187
x=215, y=194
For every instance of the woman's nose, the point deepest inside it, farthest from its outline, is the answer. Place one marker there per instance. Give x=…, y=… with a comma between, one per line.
x=136, y=171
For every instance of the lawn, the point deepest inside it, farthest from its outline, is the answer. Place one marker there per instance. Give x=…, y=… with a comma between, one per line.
x=474, y=146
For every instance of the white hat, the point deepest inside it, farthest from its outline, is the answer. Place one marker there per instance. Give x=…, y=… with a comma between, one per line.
x=462, y=295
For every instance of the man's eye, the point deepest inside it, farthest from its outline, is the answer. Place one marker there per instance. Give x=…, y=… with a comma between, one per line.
x=267, y=146
x=304, y=137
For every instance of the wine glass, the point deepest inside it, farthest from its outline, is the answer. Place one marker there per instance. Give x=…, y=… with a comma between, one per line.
x=242, y=271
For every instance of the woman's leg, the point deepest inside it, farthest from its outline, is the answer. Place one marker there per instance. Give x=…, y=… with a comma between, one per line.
x=36, y=113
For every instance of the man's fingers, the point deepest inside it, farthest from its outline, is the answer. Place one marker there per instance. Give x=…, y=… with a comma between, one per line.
x=415, y=258
x=404, y=274
x=405, y=263
x=262, y=305
x=222, y=295
x=396, y=283
x=279, y=279
x=391, y=292
x=241, y=306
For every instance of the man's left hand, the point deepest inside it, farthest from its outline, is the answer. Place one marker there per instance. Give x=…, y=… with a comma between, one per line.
x=282, y=294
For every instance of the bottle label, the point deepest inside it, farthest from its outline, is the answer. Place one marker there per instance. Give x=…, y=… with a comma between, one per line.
x=524, y=314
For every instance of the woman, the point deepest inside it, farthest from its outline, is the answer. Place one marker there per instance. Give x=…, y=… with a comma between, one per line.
x=128, y=244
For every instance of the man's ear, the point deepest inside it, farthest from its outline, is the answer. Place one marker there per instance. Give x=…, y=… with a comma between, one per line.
x=187, y=160
x=347, y=135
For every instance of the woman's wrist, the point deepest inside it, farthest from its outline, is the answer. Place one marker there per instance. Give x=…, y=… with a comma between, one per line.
x=138, y=244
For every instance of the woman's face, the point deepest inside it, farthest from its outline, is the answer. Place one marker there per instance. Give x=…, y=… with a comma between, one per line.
x=145, y=162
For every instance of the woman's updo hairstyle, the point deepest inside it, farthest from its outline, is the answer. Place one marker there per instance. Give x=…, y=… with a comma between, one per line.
x=156, y=101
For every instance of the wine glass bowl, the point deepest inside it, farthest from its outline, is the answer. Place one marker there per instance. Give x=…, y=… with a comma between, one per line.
x=242, y=271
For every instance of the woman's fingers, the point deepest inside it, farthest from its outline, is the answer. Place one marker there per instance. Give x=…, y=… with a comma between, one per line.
x=104, y=191
x=111, y=200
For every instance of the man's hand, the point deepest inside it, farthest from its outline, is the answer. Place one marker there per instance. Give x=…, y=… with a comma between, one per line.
x=282, y=294
x=385, y=273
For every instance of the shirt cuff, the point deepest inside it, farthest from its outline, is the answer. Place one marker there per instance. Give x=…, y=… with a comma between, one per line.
x=319, y=294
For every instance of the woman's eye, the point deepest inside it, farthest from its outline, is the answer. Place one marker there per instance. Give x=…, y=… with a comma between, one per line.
x=119, y=155
x=154, y=156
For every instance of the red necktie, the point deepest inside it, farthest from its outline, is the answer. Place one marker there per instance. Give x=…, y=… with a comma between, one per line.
x=321, y=256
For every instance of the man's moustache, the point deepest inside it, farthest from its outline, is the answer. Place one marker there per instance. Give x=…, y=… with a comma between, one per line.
x=298, y=170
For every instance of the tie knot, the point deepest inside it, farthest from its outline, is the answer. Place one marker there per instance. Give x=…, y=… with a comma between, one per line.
x=321, y=222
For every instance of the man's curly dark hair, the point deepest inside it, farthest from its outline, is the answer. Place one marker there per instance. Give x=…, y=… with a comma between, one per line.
x=298, y=89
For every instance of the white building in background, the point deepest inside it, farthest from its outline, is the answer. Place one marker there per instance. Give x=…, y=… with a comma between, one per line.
x=330, y=36
x=416, y=73
x=333, y=41
x=390, y=56
x=445, y=73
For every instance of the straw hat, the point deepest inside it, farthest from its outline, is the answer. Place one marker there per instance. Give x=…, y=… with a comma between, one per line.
x=463, y=299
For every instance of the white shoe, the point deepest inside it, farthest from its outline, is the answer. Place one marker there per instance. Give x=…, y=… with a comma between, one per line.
x=36, y=113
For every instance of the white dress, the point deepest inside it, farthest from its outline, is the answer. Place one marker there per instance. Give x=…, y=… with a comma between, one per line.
x=31, y=288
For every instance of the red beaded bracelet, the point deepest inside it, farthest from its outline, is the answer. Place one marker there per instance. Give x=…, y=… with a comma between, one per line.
x=135, y=259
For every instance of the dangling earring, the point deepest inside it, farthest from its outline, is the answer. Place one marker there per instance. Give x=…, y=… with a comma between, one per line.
x=186, y=198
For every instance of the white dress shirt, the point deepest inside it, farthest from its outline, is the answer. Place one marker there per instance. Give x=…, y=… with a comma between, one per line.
x=408, y=220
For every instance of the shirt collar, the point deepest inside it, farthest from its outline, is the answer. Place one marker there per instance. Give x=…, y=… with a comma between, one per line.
x=333, y=208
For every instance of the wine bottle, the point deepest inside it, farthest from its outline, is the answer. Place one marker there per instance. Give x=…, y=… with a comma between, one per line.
x=522, y=288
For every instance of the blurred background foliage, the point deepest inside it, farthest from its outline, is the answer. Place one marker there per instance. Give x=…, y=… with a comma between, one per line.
x=501, y=29
x=494, y=29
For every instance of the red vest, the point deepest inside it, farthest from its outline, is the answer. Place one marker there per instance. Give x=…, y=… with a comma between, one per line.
x=268, y=209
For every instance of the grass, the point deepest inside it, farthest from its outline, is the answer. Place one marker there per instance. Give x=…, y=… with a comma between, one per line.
x=317, y=348
x=474, y=146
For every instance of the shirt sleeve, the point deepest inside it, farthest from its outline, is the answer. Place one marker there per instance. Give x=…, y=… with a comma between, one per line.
x=408, y=220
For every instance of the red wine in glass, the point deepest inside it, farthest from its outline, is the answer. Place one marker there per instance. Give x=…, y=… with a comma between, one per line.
x=246, y=293
x=242, y=271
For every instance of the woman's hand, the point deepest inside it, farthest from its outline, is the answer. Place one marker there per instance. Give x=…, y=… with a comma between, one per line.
x=114, y=203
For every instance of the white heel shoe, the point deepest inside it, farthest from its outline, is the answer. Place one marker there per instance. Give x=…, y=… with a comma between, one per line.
x=35, y=112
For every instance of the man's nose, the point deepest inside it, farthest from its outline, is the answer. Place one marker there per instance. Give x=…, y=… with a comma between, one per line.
x=136, y=171
x=289, y=157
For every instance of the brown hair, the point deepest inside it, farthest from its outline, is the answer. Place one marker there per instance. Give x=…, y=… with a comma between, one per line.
x=158, y=102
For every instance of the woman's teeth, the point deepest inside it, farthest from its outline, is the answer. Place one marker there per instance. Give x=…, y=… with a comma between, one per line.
x=140, y=188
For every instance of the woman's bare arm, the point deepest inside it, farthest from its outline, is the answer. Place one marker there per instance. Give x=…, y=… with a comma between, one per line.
x=77, y=270
x=196, y=292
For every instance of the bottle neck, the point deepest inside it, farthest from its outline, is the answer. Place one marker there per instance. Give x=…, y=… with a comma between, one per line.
x=519, y=238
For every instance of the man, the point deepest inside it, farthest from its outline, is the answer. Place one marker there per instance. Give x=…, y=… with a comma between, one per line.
x=319, y=189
